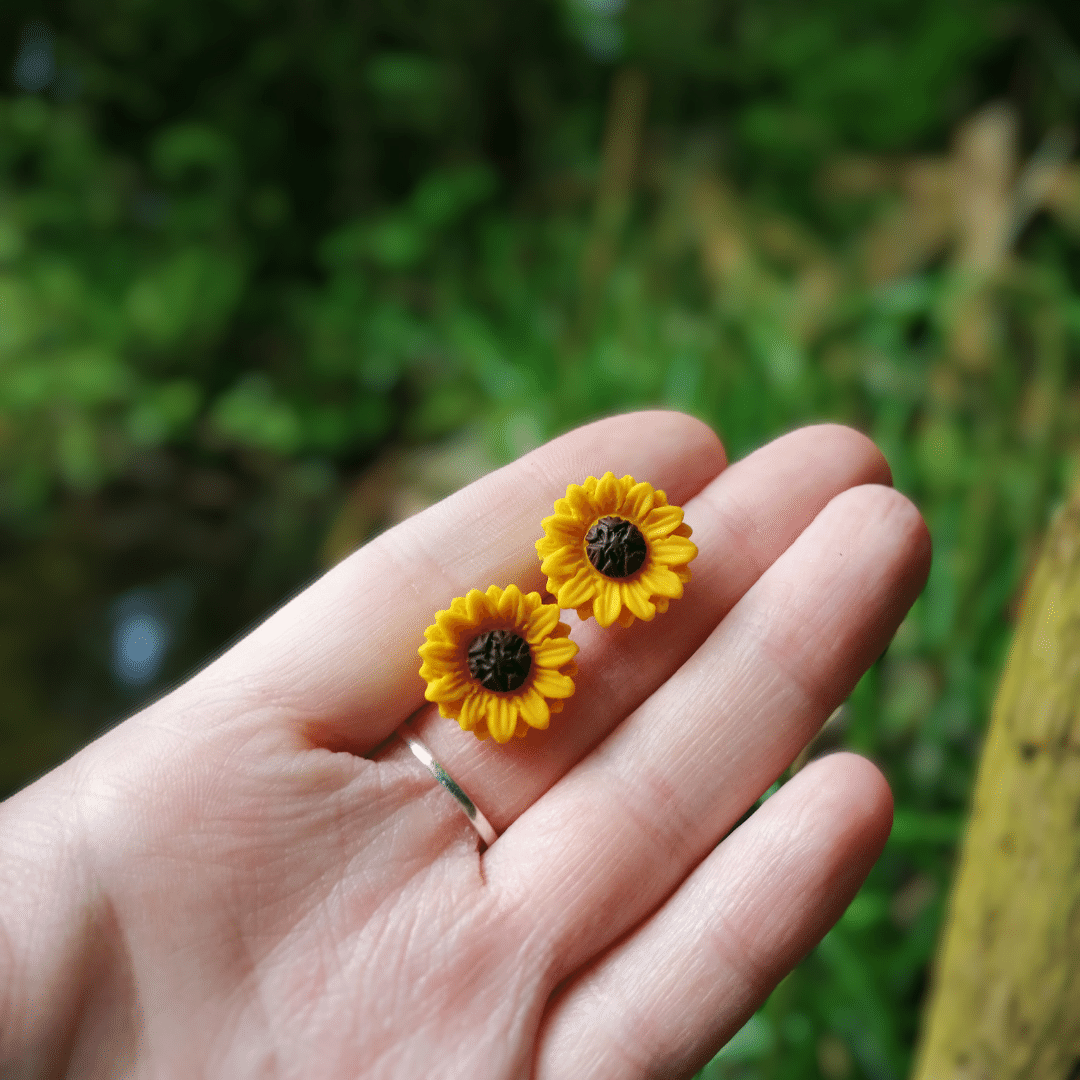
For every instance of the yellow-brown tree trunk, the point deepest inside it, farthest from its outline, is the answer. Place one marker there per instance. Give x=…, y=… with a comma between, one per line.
x=1005, y=998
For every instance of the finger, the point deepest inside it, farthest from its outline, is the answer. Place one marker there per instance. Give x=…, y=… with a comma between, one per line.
x=341, y=657
x=743, y=521
x=612, y=839
x=664, y=1000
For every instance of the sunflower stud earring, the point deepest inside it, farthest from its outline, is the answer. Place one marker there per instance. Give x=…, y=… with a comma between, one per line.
x=615, y=550
x=498, y=662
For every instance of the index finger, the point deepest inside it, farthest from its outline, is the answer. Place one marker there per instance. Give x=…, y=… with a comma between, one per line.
x=341, y=659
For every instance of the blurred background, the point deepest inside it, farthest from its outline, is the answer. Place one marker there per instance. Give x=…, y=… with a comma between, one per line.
x=277, y=273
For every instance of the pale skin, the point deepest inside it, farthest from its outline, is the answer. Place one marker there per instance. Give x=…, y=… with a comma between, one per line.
x=247, y=879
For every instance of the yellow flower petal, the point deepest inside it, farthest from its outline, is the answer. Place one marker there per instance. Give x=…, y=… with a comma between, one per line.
x=555, y=652
x=581, y=587
x=636, y=598
x=452, y=623
x=660, y=581
x=431, y=672
x=608, y=603
x=439, y=652
x=510, y=606
x=564, y=561
x=683, y=530
x=542, y=623
x=661, y=603
x=479, y=607
x=560, y=536
x=530, y=604
x=606, y=496
x=581, y=503
x=638, y=501
x=472, y=711
x=568, y=523
x=502, y=718
x=661, y=522
x=625, y=619
x=675, y=551
x=448, y=688
x=534, y=709
x=552, y=684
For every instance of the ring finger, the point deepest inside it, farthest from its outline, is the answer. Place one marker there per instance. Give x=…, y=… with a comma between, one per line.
x=617, y=835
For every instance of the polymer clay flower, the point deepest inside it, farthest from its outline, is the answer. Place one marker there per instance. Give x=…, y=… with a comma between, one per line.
x=616, y=550
x=498, y=662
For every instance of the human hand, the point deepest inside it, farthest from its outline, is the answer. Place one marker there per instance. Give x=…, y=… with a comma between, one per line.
x=225, y=886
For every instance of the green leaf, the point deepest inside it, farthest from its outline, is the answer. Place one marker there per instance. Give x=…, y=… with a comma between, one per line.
x=445, y=195
x=162, y=412
x=254, y=415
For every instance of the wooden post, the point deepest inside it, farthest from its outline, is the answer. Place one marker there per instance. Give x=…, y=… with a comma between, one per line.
x=1005, y=997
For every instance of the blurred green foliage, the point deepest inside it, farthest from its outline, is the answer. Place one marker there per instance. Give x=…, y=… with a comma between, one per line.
x=256, y=254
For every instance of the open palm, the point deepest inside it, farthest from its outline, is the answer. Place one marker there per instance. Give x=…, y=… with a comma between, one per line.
x=253, y=878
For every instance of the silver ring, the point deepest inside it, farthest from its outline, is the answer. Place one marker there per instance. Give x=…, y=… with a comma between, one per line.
x=423, y=754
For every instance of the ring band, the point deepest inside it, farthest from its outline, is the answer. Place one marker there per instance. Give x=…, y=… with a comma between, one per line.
x=424, y=755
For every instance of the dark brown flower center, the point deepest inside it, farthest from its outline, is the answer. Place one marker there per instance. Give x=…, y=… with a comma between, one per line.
x=500, y=660
x=616, y=547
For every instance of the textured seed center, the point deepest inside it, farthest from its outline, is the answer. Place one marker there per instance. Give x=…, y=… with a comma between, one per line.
x=616, y=547
x=500, y=660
